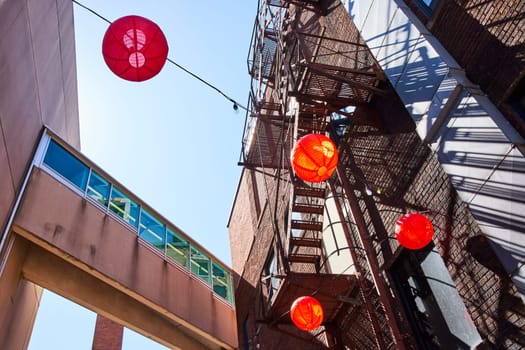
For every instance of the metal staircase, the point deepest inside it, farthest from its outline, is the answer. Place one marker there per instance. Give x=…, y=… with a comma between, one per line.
x=302, y=73
x=307, y=206
x=306, y=227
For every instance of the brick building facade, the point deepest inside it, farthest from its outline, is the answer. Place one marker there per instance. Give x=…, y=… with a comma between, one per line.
x=418, y=129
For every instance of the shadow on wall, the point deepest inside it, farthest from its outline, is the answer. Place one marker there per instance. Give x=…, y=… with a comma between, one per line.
x=495, y=59
x=402, y=173
x=481, y=250
x=488, y=171
x=411, y=64
x=507, y=319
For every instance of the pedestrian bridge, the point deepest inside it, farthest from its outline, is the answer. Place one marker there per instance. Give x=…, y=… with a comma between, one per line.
x=79, y=233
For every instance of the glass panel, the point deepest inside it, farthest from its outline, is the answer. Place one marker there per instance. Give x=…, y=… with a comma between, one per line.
x=151, y=230
x=449, y=301
x=428, y=6
x=66, y=165
x=221, y=282
x=98, y=188
x=177, y=248
x=271, y=270
x=200, y=264
x=434, y=308
x=124, y=207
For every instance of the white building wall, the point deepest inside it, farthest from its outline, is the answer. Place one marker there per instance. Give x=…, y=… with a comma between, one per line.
x=335, y=244
x=475, y=144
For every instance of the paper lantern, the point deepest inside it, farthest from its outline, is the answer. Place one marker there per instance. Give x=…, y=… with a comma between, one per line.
x=134, y=48
x=306, y=313
x=314, y=158
x=414, y=231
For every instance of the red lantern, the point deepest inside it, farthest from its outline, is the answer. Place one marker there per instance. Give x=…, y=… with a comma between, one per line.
x=134, y=48
x=414, y=231
x=307, y=313
x=314, y=157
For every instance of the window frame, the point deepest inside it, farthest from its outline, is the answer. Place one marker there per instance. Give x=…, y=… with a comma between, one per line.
x=136, y=221
x=186, y=264
x=227, y=283
x=428, y=9
x=426, y=315
x=271, y=279
x=144, y=213
x=138, y=211
x=57, y=171
x=206, y=278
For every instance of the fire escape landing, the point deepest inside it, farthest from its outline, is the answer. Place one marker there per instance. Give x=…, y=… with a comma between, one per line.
x=299, y=284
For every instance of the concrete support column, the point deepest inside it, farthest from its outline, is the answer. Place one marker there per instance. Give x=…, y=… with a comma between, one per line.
x=108, y=334
x=19, y=299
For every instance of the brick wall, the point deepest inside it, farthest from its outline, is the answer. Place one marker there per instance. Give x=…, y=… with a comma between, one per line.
x=253, y=327
x=386, y=157
x=487, y=38
x=405, y=175
x=243, y=220
x=108, y=335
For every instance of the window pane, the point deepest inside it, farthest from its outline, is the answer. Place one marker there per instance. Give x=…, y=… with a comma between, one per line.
x=124, y=207
x=271, y=270
x=200, y=264
x=151, y=230
x=66, y=165
x=98, y=188
x=433, y=306
x=221, y=282
x=178, y=248
x=427, y=6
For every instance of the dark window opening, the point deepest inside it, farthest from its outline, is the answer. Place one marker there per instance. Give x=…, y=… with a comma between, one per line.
x=517, y=100
x=433, y=306
x=286, y=219
x=247, y=343
x=338, y=127
x=271, y=278
x=256, y=198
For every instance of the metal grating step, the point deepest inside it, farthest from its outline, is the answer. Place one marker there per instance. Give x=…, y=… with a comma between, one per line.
x=305, y=242
x=308, y=208
x=309, y=192
x=307, y=225
x=304, y=258
x=308, y=126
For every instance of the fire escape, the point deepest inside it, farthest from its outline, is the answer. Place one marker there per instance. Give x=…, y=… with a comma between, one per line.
x=306, y=78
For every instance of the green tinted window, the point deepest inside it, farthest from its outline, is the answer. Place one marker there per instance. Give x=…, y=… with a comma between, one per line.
x=200, y=264
x=151, y=230
x=66, y=165
x=124, y=207
x=177, y=248
x=222, y=282
x=98, y=188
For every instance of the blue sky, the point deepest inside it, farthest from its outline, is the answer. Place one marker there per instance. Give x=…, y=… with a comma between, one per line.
x=171, y=140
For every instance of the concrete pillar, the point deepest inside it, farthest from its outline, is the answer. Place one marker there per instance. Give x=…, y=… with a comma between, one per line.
x=19, y=299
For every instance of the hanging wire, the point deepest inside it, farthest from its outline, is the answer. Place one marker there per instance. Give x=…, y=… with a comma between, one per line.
x=236, y=105
x=92, y=11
